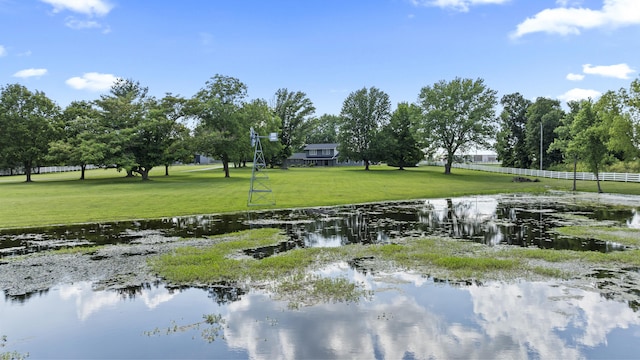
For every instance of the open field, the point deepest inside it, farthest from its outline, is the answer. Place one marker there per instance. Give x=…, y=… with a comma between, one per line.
x=107, y=195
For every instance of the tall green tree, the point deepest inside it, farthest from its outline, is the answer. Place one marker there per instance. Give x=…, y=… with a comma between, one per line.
x=590, y=137
x=511, y=144
x=323, y=130
x=364, y=113
x=80, y=144
x=457, y=115
x=178, y=142
x=398, y=144
x=121, y=110
x=543, y=117
x=624, y=111
x=137, y=128
x=217, y=108
x=27, y=120
x=259, y=115
x=151, y=138
x=294, y=109
x=564, y=139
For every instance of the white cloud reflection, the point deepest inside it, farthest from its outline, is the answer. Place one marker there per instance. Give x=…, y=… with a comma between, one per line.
x=416, y=317
x=89, y=302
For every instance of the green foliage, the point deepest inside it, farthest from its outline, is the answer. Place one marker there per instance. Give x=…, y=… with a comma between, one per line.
x=397, y=141
x=27, y=120
x=217, y=110
x=548, y=114
x=364, y=113
x=258, y=115
x=323, y=130
x=590, y=137
x=458, y=114
x=511, y=145
x=80, y=143
x=293, y=109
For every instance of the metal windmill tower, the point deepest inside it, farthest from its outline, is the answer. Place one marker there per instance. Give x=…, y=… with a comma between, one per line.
x=260, y=192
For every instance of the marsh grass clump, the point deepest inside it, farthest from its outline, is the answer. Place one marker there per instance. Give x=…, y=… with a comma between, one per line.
x=448, y=257
x=307, y=289
x=82, y=250
x=221, y=263
x=620, y=235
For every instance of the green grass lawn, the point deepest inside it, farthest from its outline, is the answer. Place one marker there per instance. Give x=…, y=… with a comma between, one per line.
x=107, y=195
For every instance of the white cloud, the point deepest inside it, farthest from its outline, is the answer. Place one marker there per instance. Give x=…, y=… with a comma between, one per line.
x=579, y=94
x=3, y=51
x=87, y=7
x=619, y=71
x=565, y=3
x=574, y=77
x=459, y=5
x=81, y=24
x=571, y=20
x=92, y=81
x=27, y=73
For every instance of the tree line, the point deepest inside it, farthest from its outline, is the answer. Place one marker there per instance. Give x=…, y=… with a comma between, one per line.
x=134, y=132
x=592, y=133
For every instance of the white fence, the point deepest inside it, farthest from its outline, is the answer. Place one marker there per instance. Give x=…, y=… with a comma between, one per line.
x=566, y=175
x=46, y=170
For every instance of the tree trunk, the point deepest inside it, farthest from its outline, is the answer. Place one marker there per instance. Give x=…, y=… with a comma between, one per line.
x=598, y=181
x=575, y=169
x=166, y=170
x=144, y=172
x=83, y=167
x=447, y=168
x=366, y=164
x=27, y=170
x=284, y=165
x=130, y=173
x=225, y=166
x=447, y=165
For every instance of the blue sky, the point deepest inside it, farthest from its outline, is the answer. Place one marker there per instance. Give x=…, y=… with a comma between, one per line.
x=564, y=49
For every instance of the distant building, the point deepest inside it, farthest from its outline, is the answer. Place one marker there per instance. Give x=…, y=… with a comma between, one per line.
x=316, y=155
x=201, y=159
x=485, y=158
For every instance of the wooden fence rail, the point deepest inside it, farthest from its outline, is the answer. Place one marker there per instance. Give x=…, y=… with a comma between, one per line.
x=566, y=175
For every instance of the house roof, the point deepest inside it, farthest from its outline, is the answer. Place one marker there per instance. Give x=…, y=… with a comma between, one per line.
x=320, y=146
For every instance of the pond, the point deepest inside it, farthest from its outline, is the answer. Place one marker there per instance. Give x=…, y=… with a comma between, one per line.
x=405, y=315
x=521, y=220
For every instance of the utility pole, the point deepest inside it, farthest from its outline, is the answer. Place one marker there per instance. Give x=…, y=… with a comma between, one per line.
x=541, y=145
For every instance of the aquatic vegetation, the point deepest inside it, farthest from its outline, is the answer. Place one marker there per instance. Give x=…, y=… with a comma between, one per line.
x=307, y=289
x=211, y=328
x=620, y=235
x=83, y=250
x=12, y=355
x=434, y=256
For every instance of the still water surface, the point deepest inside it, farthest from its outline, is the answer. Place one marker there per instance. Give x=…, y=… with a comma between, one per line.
x=409, y=317
x=522, y=220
